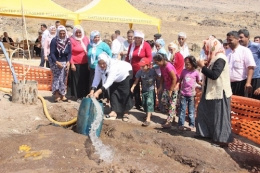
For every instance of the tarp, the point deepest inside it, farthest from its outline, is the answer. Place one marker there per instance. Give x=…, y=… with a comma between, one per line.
x=115, y=11
x=46, y=9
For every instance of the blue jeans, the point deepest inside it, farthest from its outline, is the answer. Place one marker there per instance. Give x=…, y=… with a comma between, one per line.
x=183, y=105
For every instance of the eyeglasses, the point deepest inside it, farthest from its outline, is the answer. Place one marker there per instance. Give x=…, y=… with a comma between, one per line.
x=181, y=38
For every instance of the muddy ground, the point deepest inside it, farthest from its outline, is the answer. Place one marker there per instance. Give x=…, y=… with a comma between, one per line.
x=136, y=149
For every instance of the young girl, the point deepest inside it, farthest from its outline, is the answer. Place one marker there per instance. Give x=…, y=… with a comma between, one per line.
x=188, y=79
x=148, y=77
x=169, y=82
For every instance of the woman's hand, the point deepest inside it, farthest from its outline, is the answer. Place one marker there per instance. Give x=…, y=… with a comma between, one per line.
x=257, y=91
x=46, y=58
x=59, y=64
x=91, y=94
x=170, y=92
x=67, y=66
x=201, y=63
x=159, y=90
x=132, y=89
x=73, y=67
x=97, y=93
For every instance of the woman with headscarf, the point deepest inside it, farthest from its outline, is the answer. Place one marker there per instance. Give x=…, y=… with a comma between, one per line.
x=137, y=50
x=213, y=120
x=176, y=58
x=115, y=76
x=47, y=42
x=95, y=47
x=159, y=45
x=78, y=73
x=60, y=54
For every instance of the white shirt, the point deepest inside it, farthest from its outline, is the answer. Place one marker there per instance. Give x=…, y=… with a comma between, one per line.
x=45, y=34
x=239, y=60
x=184, y=50
x=121, y=39
x=125, y=47
x=116, y=48
x=118, y=71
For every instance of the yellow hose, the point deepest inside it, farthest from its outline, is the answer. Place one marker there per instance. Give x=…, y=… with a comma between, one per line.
x=67, y=123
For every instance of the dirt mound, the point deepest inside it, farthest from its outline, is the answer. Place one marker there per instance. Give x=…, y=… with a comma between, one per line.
x=136, y=149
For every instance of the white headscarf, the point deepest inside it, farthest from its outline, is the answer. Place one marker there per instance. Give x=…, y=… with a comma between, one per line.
x=50, y=29
x=105, y=57
x=78, y=27
x=136, y=34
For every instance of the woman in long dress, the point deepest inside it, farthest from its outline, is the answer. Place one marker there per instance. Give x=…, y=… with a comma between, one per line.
x=137, y=50
x=79, y=72
x=214, y=120
x=60, y=54
x=115, y=76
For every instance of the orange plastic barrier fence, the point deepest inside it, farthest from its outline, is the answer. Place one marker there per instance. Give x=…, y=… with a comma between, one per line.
x=42, y=75
x=245, y=116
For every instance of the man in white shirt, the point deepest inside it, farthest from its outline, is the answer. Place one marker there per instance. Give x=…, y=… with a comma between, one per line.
x=241, y=65
x=130, y=39
x=45, y=33
x=116, y=46
x=184, y=49
x=120, y=38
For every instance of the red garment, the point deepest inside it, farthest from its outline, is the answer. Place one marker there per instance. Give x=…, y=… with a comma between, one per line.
x=178, y=63
x=146, y=52
x=78, y=55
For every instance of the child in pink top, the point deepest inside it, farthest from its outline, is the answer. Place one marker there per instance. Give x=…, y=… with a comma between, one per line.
x=169, y=81
x=188, y=79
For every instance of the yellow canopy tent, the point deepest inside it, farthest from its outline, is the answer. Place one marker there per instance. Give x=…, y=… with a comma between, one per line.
x=46, y=9
x=115, y=11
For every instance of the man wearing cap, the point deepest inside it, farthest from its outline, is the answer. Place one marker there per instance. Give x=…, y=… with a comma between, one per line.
x=157, y=36
x=137, y=50
x=184, y=49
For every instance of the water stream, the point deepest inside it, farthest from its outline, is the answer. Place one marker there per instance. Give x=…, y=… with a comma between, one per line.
x=105, y=152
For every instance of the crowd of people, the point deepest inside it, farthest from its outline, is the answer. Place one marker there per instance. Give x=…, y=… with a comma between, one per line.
x=147, y=75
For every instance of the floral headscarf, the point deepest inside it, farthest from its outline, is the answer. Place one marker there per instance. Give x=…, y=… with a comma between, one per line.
x=212, y=48
x=93, y=34
x=62, y=43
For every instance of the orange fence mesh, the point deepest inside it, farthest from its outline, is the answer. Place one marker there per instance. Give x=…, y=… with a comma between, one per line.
x=245, y=116
x=42, y=75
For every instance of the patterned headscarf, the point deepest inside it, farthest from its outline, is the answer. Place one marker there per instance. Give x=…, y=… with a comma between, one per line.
x=62, y=43
x=78, y=27
x=93, y=34
x=212, y=48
